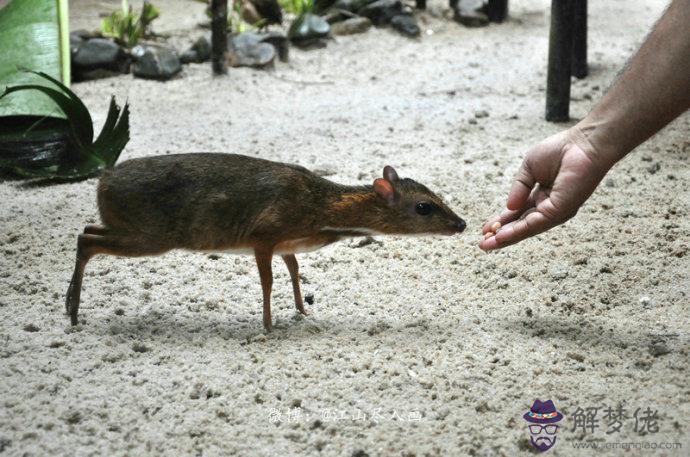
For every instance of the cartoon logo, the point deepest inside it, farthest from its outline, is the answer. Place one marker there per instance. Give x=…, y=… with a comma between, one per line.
x=542, y=418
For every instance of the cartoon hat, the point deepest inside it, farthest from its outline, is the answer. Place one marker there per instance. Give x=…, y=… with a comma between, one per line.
x=543, y=413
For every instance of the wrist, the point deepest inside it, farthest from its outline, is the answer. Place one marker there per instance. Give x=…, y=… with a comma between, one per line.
x=596, y=138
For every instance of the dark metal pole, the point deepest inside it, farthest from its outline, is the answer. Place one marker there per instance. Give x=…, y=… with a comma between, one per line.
x=579, y=63
x=497, y=10
x=560, y=53
x=219, y=36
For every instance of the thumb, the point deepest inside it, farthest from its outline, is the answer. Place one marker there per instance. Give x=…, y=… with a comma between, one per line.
x=521, y=189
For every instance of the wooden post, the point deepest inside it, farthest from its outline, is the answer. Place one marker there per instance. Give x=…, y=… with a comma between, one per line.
x=219, y=36
x=579, y=62
x=497, y=10
x=560, y=58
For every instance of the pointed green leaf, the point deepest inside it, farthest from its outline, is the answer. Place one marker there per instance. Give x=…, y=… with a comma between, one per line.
x=30, y=37
x=116, y=138
x=61, y=100
x=81, y=115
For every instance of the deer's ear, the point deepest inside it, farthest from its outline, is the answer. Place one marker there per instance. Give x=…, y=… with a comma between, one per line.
x=390, y=174
x=384, y=189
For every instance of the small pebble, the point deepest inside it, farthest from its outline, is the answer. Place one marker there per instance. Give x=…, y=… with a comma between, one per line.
x=652, y=169
x=658, y=349
x=140, y=348
x=558, y=273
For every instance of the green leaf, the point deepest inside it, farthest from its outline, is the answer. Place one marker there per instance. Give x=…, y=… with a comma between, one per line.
x=60, y=99
x=82, y=117
x=114, y=134
x=126, y=27
x=30, y=33
x=297, y=7
x=84, y=158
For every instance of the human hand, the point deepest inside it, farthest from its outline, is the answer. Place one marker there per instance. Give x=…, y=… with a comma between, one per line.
x=556, y=177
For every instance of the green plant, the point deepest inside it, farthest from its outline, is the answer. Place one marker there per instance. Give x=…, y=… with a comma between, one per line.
x=297, y=7
x=82, y=158
x=33, y=34
x=235, y=22
x=127, y=27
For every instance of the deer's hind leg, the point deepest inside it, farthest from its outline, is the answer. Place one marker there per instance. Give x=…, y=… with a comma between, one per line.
x=96, y=229
x=89, y=245
x=264, y=257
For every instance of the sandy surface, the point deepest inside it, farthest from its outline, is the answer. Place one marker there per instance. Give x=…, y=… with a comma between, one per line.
x=416, y=346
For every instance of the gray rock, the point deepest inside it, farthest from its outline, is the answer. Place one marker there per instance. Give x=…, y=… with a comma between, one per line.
x=189, y=56
x=93, y=58
x=75, y=42
x=307, y=29
x=352, y=6
x=659, y=348
x=351, y=26
x=406, y=24
x=337, y=15
x=199, y=52
x=97, y=52
x=471, y=13
x=203, y=48
x=652, y=169
x=155, y=62
x=279, y=41
x=247, y=50
x=382, y=11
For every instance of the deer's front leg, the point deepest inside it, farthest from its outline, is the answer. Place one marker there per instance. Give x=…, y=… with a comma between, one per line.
x=292, y=266
x=264, y=256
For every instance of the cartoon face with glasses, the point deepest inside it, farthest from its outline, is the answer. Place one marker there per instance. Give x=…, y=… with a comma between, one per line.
x=542, y=418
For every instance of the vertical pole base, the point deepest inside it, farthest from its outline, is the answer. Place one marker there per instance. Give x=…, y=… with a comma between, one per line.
x=219, y=36
x=560, y=61
x=579, y=64
x=497, y=10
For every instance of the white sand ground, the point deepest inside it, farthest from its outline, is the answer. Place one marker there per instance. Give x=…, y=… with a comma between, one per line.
x=434, y=347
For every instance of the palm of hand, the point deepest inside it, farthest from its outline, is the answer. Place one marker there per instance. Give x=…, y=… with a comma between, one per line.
x=555, y=179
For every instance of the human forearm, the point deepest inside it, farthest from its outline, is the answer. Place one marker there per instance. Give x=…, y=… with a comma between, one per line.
x=653, y=90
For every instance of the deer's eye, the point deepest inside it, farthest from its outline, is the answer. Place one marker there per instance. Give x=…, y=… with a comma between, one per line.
x=423, y=208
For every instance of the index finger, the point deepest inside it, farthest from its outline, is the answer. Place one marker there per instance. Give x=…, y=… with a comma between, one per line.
x=504, y=218
x=532, y=224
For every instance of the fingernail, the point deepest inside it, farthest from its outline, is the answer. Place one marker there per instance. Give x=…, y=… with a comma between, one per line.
x=490, y=244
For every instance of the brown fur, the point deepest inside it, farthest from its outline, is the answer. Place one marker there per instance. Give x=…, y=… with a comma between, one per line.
x=215, y=202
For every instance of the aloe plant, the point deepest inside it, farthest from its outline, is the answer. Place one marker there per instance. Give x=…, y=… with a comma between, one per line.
x=127, y=27
x=297, y=7
x=24, y=151
x=235, y=22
